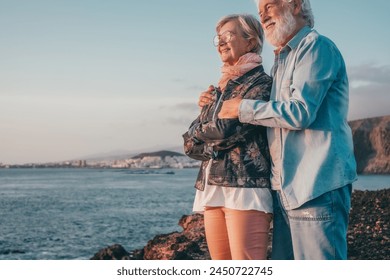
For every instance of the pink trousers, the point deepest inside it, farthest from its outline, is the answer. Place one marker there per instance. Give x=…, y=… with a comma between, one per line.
x=236, y=234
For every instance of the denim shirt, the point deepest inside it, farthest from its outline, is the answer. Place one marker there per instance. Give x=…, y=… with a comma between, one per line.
x=309, y=137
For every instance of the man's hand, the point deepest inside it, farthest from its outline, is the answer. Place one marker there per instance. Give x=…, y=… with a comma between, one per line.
x=230, y=108
x=207, y=97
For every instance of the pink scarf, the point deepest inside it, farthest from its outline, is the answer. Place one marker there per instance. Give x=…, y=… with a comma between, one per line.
x=244, y=64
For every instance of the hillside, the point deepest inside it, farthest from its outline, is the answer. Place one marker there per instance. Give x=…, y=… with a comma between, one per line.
x=372, y=145
x=161, y=154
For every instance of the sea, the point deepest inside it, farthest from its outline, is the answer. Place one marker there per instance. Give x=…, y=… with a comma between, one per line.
x=70, y=213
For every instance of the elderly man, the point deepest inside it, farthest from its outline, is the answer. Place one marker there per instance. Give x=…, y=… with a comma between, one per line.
x=313, y=164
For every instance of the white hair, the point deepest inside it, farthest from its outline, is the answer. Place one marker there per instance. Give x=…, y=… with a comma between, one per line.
x=249, y=26
x=307, y=13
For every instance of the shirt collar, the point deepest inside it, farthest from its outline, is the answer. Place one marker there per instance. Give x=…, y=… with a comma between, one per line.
x=294, y=42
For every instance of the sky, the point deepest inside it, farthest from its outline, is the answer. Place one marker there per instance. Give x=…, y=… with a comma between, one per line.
x=84, y=77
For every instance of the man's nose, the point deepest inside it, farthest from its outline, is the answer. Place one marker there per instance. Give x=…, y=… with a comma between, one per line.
x=264, y=17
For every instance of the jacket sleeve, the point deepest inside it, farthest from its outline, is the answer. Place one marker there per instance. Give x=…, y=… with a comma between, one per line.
x=196, y=149
x=222, y=134
x=193, y=147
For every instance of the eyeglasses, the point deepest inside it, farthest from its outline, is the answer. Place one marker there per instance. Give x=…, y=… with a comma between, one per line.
x=225, y=37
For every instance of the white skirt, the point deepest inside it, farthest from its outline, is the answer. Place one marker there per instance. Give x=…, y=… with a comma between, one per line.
x=233, y=198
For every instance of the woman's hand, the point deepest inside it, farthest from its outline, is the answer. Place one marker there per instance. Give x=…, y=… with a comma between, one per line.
x=207, y=97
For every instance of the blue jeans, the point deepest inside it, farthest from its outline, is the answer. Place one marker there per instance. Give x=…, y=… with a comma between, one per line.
x=317, y=230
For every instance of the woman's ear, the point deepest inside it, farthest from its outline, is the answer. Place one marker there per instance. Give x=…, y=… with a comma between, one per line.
x=251, y=45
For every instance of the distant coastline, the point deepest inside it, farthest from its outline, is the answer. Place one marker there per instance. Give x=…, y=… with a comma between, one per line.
x=153, y=160
x=371, y=139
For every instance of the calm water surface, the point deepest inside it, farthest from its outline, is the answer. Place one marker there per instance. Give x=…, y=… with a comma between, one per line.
x=73, y=213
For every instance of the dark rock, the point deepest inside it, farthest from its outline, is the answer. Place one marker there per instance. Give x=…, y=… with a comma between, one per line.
x=113, y=252
x=190, y=244
x=368, y=235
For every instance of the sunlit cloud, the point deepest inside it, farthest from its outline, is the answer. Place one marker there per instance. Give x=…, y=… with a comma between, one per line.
x=188, y=107
x=196, y=88
x=180, y=114
x=178, y=80
x=369, y=91
x=369, y=74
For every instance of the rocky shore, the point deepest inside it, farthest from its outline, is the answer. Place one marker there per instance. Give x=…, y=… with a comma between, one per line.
x=368, y=235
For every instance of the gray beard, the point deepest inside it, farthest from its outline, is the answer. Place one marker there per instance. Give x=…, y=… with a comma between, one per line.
x=284, y=27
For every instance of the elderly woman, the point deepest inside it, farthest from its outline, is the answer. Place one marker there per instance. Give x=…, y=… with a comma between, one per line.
x=233, y=185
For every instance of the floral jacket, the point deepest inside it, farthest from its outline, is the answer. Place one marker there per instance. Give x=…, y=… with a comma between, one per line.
x=238, y=152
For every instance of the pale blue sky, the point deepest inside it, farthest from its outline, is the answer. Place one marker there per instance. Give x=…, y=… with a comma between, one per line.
x=81, y=77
